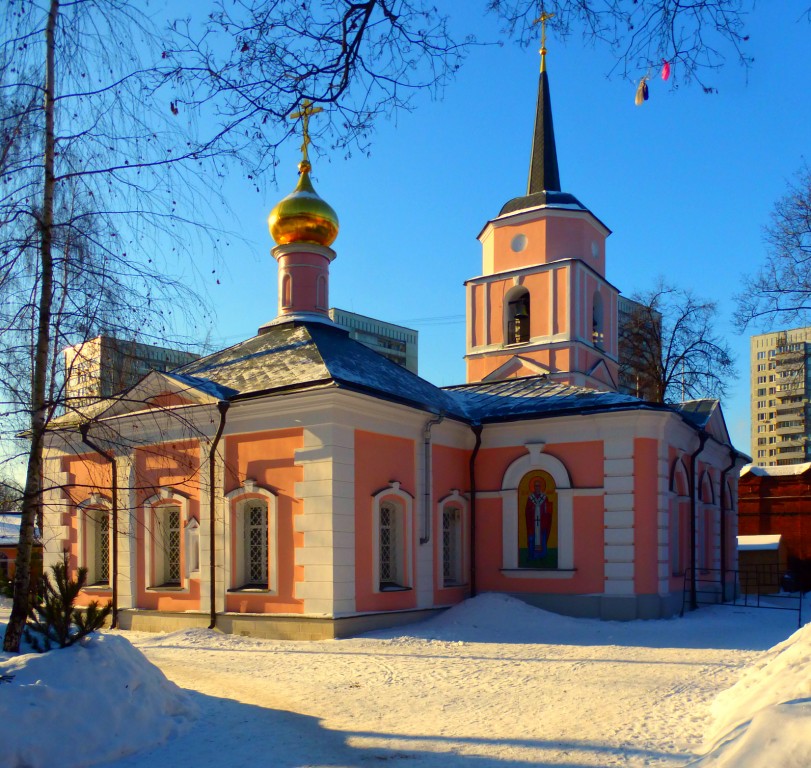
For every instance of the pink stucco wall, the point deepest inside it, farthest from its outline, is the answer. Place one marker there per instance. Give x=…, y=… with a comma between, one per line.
x=380, y=459
x=268, y=458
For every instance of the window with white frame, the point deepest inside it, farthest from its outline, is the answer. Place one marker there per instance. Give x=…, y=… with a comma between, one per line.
x=192, y=547
x=451, y=545
x=166, y=546
x=390, y=545
x=391, y=537
x=251, y=560
x=98, y=566
x=94, y=535
x=252, y=549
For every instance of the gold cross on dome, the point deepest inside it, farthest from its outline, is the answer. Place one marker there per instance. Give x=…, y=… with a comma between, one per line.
x=307, y=109
x=542, y=19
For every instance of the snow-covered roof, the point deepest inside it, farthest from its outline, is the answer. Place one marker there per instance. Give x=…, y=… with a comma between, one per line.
x=785, y=470
x=305, y=354
x=534, y=397
x=760, y=542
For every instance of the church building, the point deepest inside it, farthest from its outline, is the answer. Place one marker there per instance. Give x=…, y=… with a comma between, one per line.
x=300, y=485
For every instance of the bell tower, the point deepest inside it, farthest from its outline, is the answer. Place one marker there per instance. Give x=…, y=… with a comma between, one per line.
x=542, y=303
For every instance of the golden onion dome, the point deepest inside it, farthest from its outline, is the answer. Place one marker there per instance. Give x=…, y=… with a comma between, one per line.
x=302, y=216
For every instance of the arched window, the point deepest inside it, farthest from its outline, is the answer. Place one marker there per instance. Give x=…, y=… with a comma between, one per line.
x=94, y=539
x=517, y=315
x=192, y=547
x=392, y=536
x=252, y=558
x=679, y=527
x=166, y=515
x=706, y=526
x=287, y=290
x=166, y=543
x=597, y=321
x=98, y=562
x=252, y=544
x=390, y=545
x=452, y=542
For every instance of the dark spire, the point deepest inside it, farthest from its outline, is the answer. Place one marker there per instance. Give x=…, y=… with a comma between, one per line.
x=543, y=161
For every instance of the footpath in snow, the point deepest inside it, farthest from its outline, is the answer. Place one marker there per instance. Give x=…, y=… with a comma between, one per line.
x=491, y=682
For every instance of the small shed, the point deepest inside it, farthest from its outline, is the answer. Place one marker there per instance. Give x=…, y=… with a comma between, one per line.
x=9, y=538
x=761, y=562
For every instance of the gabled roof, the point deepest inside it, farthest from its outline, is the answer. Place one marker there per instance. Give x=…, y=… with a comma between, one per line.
x=704, y=414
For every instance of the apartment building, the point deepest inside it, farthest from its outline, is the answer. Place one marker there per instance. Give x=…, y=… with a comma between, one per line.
x=395, y=342
x=780, y=364
x=104, y=366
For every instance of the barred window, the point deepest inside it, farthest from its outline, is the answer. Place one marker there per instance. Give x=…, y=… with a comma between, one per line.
x=256, y=544
x=451, y=545
x=167, y=546
x=391, y=546
x=103, y=549
x=97, y=546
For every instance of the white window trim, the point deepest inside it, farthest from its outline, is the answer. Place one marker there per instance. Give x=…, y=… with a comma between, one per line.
x=457, y=500
x=191, y=534
x=87, y=548
x=393, y=490
x=249, y=490
x=166, y=497
x=674, y=529
x=533, y=460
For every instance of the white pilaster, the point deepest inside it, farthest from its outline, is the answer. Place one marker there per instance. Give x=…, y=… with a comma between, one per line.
x=127, y=528
x=619, y=547
x=327, y=491
x=57, y=509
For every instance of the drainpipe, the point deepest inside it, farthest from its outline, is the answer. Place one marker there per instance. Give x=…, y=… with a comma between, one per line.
x=426, y=508
x=733, y=458
x=477, y=431
x=222, y=407
x=702, y=439
x=83, y=429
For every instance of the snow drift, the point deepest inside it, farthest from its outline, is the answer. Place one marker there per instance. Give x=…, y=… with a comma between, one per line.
x=92, y=702
x=766, y=715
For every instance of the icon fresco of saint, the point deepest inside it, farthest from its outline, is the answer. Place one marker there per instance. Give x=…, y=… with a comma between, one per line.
x=537, y=521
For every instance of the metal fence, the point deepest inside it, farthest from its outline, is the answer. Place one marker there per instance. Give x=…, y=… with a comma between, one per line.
x=758, y=586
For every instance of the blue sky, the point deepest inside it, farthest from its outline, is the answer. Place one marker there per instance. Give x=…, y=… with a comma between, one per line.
x=685, y=182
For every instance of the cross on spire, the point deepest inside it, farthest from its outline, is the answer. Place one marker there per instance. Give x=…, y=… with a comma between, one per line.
x=304, y=114
x=542, y=19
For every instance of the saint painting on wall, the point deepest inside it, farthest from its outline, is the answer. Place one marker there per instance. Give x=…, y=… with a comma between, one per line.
x=537, y=521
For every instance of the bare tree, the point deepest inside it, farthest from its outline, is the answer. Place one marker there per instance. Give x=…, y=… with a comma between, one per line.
x=670, y=346
x=254, y=62
x=88, y=183
x=781, y=288
x=693, y=38
x=102, y=171
x=103, y=163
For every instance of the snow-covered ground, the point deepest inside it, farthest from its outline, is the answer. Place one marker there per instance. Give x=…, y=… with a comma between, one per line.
x=492, y=682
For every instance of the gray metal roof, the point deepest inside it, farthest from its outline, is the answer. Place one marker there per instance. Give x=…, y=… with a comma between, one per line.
x=302, y=354
x=696, y=412
x=536, y=397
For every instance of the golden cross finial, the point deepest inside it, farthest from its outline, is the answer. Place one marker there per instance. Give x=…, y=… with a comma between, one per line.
x=542, y=19
x=307, y=109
